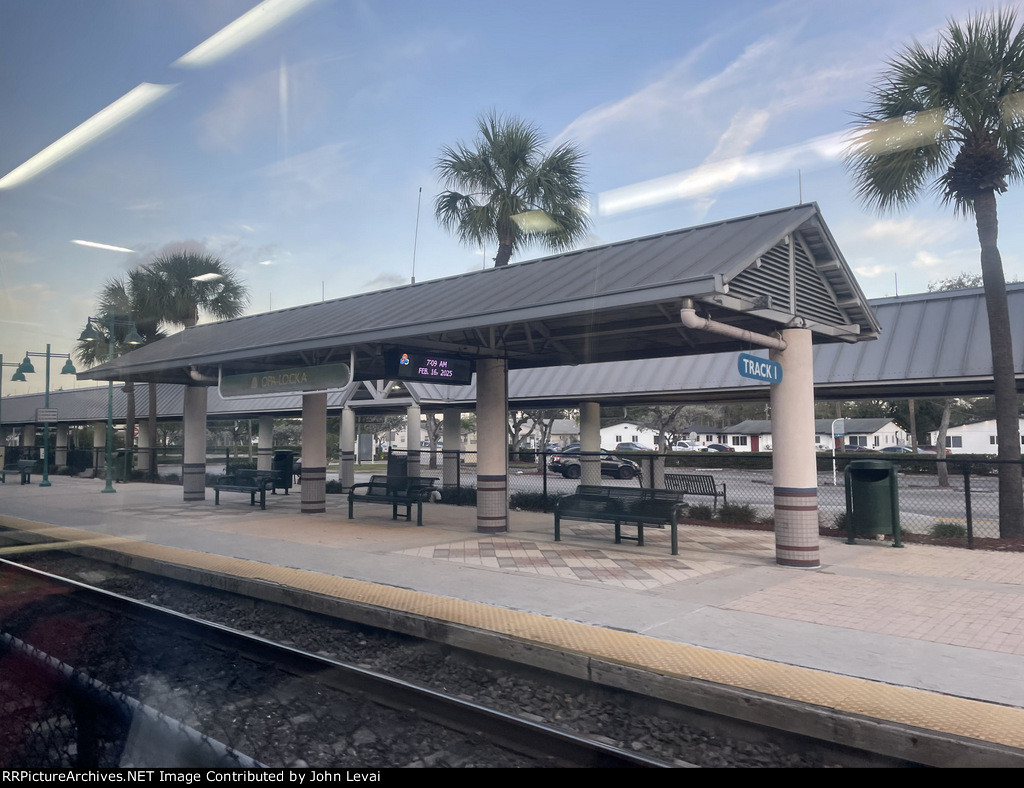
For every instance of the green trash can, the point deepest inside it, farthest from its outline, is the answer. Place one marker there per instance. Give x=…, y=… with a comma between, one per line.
x=872, y=500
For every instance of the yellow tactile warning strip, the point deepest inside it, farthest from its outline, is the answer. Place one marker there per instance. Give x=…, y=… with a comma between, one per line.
x=932, y=711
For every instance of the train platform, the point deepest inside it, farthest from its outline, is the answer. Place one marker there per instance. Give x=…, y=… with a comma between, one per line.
x=923, y=636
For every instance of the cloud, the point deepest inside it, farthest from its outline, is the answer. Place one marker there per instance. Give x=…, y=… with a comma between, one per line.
x=910, y=232
x=713, y=177
x=307, y=180
x=871, y=271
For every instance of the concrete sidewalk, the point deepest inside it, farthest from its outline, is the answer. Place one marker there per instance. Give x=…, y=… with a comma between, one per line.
x=934, y=618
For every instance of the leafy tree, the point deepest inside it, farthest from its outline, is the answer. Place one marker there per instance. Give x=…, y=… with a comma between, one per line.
x=506, y=189
x=949, y=118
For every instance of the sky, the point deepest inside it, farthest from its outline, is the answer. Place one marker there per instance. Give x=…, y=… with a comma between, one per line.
x=301, y=151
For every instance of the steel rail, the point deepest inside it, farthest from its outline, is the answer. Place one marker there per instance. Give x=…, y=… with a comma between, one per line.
x=547, y=744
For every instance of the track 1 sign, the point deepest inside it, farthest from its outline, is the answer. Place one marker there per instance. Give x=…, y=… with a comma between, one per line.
x=760, y=368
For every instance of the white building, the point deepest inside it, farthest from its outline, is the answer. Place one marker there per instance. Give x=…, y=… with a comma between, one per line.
x=627, y=432
x=976, y=438
x=756, y=434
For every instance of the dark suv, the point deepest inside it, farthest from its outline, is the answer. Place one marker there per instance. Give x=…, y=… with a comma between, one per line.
x=567, y=463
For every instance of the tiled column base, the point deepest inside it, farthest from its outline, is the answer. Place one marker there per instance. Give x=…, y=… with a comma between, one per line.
x=491, y=504
x=347, y=469
x=314, y=495
x=796, y=527
x=193, y=481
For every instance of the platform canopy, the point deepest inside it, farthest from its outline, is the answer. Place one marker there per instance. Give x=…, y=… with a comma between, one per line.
x=608, y=303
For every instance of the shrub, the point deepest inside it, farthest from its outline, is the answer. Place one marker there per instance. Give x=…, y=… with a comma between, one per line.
x=700, y=512
x=841, y=521
x=459, y=496
x=737, y=513
x=334, y=487
x=947, y=530
x=531, y=501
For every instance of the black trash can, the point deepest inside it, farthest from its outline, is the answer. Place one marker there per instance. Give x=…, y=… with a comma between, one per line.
x=872, y=500
x=283, y=466
x=398, y=465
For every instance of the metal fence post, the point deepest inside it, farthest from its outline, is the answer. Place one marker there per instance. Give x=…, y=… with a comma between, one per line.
x=967, y=505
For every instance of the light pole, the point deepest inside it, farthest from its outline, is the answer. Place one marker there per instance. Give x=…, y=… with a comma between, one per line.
x=90, y=334
x=26, y=368
x=3, y=435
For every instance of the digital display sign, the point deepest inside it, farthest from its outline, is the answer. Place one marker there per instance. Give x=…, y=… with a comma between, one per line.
x=429, y=367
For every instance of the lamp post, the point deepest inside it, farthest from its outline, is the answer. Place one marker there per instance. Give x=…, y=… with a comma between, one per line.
x=3, y=435
x=26, y=368
x=90, y=334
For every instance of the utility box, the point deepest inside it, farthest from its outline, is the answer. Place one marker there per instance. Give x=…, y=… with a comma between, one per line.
x=872, y=501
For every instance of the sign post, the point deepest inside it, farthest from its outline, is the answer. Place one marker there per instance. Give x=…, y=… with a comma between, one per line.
x=840, y=434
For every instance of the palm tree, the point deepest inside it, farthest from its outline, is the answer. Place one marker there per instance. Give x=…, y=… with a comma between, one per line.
x=951, y=118
x=507, y=190
x=193, y=282
x=129, y=300
x=166, y=292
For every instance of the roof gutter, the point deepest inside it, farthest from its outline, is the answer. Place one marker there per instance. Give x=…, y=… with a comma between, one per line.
x=689, y=318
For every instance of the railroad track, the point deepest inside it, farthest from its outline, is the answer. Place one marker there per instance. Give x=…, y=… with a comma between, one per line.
x=320, y=677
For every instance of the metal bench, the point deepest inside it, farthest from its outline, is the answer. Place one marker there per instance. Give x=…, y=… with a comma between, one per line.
x=245, y=481
x=695, y=484
x=623, y=506
x=23, y=469
x=394, y=491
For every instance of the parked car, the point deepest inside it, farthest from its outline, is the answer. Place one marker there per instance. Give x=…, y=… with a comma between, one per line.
x=718, y=447
x=632, y=447
x=933, y=450
x=567, y=463
x=684, y=446
x=897, y=450
x=854, y=448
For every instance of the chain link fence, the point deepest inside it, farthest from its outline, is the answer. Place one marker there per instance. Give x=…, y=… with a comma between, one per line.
x=960, y=509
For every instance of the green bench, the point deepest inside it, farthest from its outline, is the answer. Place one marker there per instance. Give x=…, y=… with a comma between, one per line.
x=245, y=481
x=394, y=491
x=623, y=506
x=695, y=484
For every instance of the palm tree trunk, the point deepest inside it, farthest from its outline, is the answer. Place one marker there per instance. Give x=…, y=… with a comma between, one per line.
x=504, y=254
x=1011, y=495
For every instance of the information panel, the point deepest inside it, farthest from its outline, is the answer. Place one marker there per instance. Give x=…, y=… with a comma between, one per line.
x=428, y=367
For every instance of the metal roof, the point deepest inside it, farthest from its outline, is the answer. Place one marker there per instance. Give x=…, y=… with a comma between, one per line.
x=850, y=426
x=607, y=303
x=931, y=344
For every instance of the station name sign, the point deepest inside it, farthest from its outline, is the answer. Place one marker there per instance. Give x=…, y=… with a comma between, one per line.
x=283, y=381
x=760, y=368
x=428, y=367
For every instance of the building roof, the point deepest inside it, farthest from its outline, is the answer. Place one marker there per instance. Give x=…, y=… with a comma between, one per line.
x=607, y=303
x=850, y=426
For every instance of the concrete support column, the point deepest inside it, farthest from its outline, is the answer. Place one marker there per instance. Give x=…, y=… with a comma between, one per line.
x=144, y=454
x=265, y=444
x=193, y=466
x=414, y=434
x=492, y=454
x=794, y=463
x=60, y=453
x=28, y=436
x=451, y=434
x=99, y=447
x=347, y=448
x=314, y=452
x=590, y=441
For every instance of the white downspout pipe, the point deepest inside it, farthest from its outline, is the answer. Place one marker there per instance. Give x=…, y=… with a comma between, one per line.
x=689, y=318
